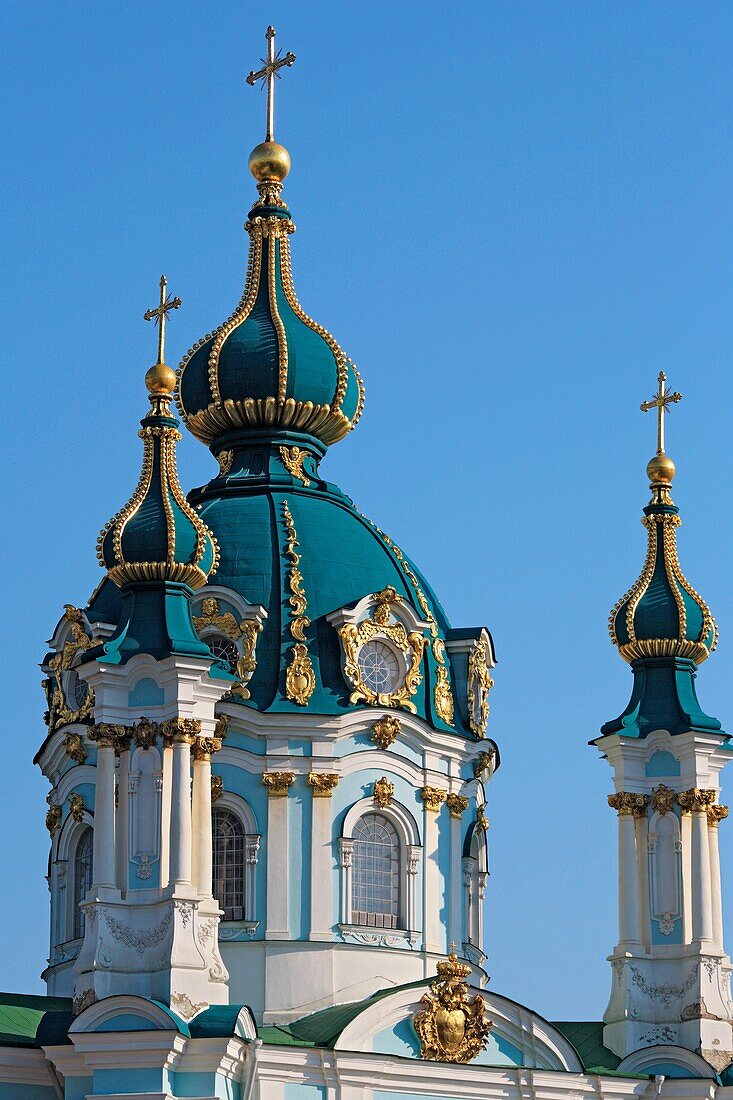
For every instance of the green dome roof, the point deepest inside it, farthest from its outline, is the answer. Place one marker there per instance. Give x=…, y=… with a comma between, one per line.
x=269, y=365
x=158, y=536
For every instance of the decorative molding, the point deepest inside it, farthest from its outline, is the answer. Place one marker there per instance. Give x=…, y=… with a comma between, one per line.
x=433, y=798
x=300, y=679
x=60, y=709
x=243, y=632
x=180, y=729
x=322, y=783
x=146, y=733
x=225, y=460
x=278, y=783
x=626, y=802
x=74, y=748
x=137, y=941
x=483, y=762
x=386, y=730
x=185, y=1007
x=452, y=1027
x=457, y=804
x=383, y=792
x=482, y=821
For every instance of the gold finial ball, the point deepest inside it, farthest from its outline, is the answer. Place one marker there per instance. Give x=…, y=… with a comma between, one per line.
x=160, y=379
x=269, y=161
x=661, y=470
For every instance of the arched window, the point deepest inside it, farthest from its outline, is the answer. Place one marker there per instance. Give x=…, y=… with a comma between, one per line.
x=229, y=863
x=224, y=649
x=375, y=889
x=83, y=877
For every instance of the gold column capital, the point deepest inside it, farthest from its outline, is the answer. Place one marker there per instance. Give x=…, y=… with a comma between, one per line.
x=457, y=804
x=696, y=800
x=181, y=730
x=433, y=797
x=322, y=783
x=108, y=735
x=278, y=783
x=629, y=803
x=205, y=747
x=716, y=814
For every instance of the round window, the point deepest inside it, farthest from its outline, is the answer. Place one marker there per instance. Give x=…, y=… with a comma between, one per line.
x=379, y=667
x=223, y=649
x=77, y=690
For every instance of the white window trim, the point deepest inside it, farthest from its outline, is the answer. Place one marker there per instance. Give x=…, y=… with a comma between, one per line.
x=241, y=809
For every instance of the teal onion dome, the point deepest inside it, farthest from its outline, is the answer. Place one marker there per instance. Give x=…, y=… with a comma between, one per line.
x=158, y=536
x=269, y=366
x=662, y=615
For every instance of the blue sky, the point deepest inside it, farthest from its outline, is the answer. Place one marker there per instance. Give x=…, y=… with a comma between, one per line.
x=512, y=216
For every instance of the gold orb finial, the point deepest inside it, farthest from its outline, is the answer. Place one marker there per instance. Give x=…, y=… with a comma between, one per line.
x=269, y=161
x=160, y=380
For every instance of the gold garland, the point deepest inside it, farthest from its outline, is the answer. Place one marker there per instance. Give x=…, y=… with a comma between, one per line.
x=300, y=679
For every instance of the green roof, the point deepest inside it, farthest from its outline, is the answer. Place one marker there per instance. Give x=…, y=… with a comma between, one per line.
x=587, y=1038
x=27, y=1021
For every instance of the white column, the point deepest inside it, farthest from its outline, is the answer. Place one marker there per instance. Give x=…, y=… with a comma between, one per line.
x=123, y=820
x=278, y=784
x=181, y=823
x=203, y=851
x=432, y=933
x=702, y=902
x=628, y=874
x=455, y=919
x=104, y=808
x=321, y=914
x=715, y=815
x=165, y=815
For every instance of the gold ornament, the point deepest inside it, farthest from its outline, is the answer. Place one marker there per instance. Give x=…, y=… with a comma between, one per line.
x=146, y=733
x=217, y=787
x=221, y=729
x=457, y=804
x=225, y=458
x=483, y=763
x=663, y=799
x=386, y=730
x=77, y=807
x=322, y=783
x=452, y=1027
x=661, y=469
x=53, y=819
x=433, y=797
x=696, y=800
x=479, y=686
x=626, y=802
x=244, y=631
x=482, y=821
x=61, y=711
x=300, y=679
x=355, y=635
x=293, y=458
x=204, y=747
x=716, y=814
x=160, y=379
x=278, y=783
x=181, y=730
x=74, y=747
x=383, y=792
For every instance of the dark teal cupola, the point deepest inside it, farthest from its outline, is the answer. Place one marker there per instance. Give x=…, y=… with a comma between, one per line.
x=269, y=365
x=662, y=627
x=156, y=549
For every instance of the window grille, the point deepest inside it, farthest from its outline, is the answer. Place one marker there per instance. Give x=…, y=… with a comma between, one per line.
x=229, y=863
x=83, y=877
x=223, y=649
x=375, y=899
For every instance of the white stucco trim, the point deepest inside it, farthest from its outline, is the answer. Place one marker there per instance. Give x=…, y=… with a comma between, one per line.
x=641, y=1060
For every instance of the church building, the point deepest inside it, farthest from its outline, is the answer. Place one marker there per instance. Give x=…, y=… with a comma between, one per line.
x=268, y=762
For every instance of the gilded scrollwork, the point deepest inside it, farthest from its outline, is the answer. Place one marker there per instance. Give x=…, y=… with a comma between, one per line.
x=457, y=804
x=74, y=747
x=629, y=802
x=433, y=798
x=53, y=819
x=452, y=1027
x=663, y=799
x=479, y=685
x=383, y=792
x=716, y=814
x=322, y=783
x=300, y=679
x=77, y=807
x=226, y=458
x=696, y=800
x=61, y=709
x=278, y=783
x=217, y=787
x=243, y=632
x=383, y=623
x=386, y=730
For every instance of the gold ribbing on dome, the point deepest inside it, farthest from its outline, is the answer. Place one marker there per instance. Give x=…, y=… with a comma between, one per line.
x=661, y=468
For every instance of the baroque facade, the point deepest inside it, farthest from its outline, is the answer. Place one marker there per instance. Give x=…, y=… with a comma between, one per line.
x=268, y=761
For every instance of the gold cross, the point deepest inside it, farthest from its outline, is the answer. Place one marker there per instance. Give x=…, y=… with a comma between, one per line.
x=267, y=74
x=662, y=399
x=166, y=304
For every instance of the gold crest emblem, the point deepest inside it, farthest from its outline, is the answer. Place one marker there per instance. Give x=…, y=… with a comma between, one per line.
x=452, y=1027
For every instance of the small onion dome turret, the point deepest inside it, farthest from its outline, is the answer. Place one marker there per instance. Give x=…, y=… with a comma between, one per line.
x=269, y=366
x=158, y=536
x=662, y=615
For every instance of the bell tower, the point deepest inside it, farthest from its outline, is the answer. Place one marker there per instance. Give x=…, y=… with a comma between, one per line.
x=670, y=972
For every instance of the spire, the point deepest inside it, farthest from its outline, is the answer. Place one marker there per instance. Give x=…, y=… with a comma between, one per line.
x=662, y=627
x=269, y=366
